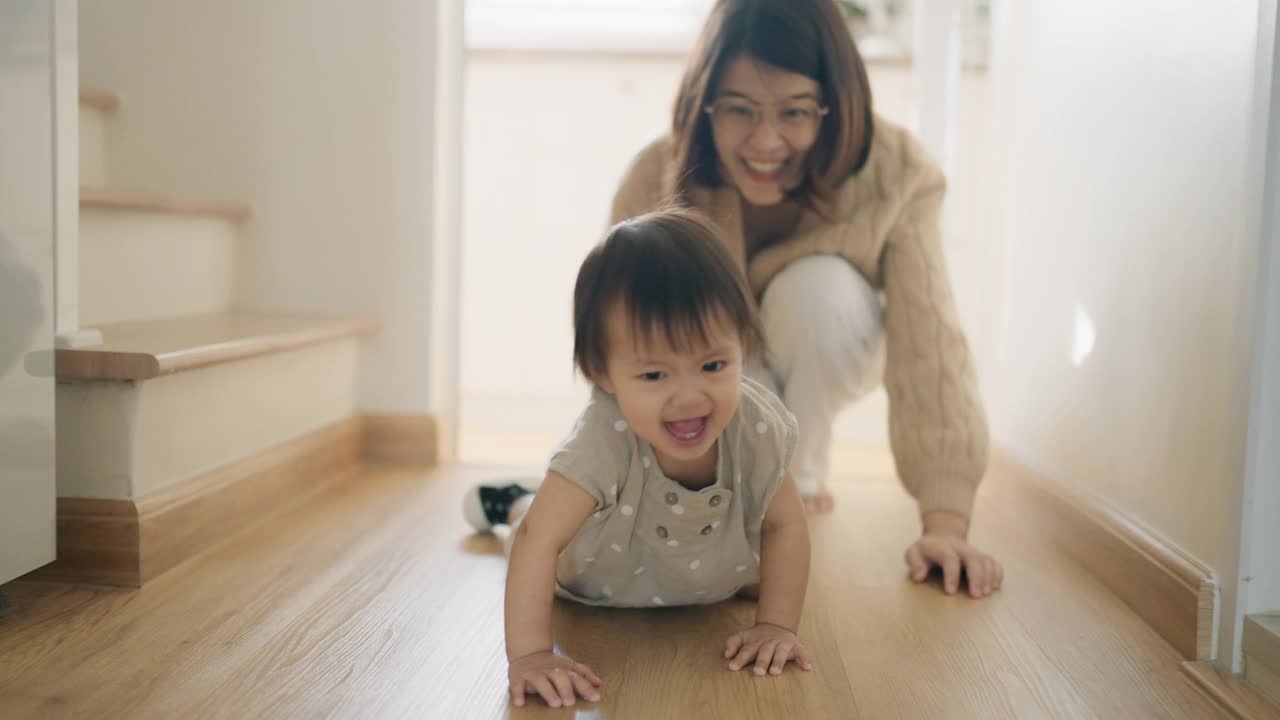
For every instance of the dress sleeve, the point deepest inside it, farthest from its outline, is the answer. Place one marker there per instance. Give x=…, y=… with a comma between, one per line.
x=595, y=455
x=769, y=433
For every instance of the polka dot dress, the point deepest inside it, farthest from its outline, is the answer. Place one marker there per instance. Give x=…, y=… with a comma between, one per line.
x=653, y=542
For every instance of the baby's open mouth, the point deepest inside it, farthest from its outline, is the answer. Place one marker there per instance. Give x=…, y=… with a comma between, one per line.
x=688, y=432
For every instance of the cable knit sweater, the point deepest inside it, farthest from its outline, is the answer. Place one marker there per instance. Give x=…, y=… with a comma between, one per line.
x=887, y=224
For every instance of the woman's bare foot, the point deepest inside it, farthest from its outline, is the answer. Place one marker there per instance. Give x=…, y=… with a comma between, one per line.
x=822, y=502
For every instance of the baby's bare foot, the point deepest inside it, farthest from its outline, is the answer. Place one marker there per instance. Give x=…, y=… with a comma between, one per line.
x=822, y=502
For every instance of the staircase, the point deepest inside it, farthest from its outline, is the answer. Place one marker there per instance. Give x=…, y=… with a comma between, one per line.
x=193, y=419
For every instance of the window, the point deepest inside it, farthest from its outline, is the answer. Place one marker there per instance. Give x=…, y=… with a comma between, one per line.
x=585, y=25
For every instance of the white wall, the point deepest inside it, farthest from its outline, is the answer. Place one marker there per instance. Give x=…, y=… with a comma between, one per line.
x=1121, y=195
x=66, y=157
x=548, y=137
x=317, y=112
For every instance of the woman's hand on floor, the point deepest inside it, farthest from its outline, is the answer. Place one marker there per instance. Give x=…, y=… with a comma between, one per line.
x=771, y=646
x=556, y=678
x=944, y=544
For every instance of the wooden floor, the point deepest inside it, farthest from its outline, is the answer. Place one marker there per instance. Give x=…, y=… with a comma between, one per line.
x=372, y=601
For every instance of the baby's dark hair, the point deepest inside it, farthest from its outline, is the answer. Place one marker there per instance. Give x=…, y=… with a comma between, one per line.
x=673, y=274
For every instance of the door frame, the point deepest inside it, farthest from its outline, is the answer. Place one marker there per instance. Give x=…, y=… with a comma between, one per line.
x=1256, y=578
x=445, y=379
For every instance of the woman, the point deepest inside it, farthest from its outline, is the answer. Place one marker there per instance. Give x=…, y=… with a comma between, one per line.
x=834, y=213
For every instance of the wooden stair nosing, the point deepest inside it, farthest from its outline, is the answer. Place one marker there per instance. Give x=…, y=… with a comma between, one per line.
x=102, y=199
x=103, y=100
x=149, y=349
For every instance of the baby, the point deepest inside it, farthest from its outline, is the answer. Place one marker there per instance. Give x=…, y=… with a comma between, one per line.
x=672, y=488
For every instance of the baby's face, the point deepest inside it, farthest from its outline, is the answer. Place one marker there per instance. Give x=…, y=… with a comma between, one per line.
x=679, y=401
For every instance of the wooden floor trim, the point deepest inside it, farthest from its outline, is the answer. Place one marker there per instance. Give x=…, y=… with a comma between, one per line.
x=145, y=349
x=101, y=199
x=401, y=439
x=127, y=543
x=98, y=544
x=103, y=100
x=1172, y=592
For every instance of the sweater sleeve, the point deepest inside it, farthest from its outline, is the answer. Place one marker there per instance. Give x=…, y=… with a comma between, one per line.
x=641, y=188
x=937, y=425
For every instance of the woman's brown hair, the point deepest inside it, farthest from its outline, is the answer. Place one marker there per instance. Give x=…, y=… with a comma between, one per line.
x=808, y=37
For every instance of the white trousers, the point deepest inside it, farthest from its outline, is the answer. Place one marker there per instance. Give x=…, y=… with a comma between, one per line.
x=824, y=325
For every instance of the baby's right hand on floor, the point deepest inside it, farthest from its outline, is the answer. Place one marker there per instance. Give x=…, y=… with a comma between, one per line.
x=556, y=678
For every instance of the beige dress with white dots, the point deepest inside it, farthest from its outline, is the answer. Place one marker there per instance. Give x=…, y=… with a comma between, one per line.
x=652, y=541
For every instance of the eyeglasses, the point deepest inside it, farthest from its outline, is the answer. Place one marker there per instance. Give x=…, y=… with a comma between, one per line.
x=793, y=118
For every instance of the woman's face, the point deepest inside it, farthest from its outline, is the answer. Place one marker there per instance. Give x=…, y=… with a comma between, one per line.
x=764, y=120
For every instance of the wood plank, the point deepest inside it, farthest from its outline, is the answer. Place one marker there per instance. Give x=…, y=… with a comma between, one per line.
x=1046, y=646
x=104, y=199
x=1173, y=592
x=1231, y=694
x=381, y=612
x=372, y=599
x=209, y=605
x=103, y=100
x=401, y=439
x=146, y=349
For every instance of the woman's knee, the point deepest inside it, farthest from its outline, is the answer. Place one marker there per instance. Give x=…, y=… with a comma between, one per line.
x=823, y=309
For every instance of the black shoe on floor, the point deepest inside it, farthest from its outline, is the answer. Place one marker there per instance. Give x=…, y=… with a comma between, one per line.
x=486, y=504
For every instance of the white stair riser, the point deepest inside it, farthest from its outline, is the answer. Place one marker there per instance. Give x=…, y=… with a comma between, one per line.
x=93, y=147
x=128, y=439
x=138, y=265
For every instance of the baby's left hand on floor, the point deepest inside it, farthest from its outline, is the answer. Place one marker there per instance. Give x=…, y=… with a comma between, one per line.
x=770, y=645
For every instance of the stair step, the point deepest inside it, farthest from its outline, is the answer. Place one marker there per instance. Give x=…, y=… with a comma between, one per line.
x=98, y=98
x=1262, y=654
x=162, y=401
x=143, y=265
x=148, y=202
x=1262, y=636
x=151, y=348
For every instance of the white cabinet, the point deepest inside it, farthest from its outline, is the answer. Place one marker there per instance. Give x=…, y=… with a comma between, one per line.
x=27, y=481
